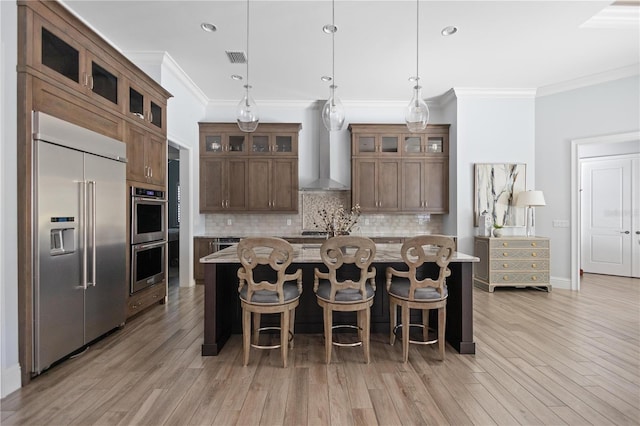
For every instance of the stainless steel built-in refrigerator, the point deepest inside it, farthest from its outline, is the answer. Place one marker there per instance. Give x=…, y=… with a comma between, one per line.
x=80, y=230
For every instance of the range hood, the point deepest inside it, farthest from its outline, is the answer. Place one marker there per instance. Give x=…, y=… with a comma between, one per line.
x=326, y=179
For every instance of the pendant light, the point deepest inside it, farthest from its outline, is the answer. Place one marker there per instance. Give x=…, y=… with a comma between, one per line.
x=416, y=114
x=247, y=113
x=332, y=111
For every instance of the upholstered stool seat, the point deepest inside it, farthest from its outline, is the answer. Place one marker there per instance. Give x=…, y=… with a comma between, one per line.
x=348, y=286
x=266, y=288
x=415, y=288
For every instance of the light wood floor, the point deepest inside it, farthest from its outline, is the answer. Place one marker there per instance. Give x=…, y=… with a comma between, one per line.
x=542, y=358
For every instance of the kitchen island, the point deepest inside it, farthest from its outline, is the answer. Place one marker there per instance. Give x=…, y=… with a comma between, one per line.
x=222, y=312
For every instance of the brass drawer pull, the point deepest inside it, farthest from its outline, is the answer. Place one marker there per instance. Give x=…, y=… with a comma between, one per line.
x=534, y=265
x=534, y=254
x=533, y=245
x=534, y=278
x=505, y=265
x=505, y=244
x=505, y=254
x=505, y=278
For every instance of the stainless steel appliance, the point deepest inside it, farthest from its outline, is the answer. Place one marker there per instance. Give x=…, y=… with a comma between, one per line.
x=79, y=289
x=148, y=215
x=147, y=264
x=148, y=237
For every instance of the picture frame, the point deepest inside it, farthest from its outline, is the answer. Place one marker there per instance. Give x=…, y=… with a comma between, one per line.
x=496, y=188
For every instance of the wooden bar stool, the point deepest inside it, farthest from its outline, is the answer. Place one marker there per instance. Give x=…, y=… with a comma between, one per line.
x=411, y=290
x=267, y=257
x=337, y=291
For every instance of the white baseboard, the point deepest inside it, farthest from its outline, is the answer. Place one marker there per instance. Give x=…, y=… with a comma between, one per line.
x=563, y=283
x=10, y=380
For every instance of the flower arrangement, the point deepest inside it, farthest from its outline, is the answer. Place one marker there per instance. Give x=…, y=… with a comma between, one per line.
x=338, y=221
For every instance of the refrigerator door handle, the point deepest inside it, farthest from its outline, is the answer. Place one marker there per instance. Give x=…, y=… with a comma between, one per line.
x=92, y=183
x=85, y=216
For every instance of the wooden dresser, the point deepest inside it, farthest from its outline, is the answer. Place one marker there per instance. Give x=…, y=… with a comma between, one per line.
x=512, y=262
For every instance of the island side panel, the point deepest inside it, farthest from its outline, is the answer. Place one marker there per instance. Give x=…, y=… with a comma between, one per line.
x=459, y=327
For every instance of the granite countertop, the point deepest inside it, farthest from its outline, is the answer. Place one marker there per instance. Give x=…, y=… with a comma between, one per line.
x=310, y=253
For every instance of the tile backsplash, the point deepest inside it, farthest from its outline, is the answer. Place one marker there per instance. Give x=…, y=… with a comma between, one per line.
x=310, y=202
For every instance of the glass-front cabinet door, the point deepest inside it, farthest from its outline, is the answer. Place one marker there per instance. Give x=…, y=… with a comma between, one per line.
x=377, y=144
x=412, y=145
x=65, y=59
x=222, y=143
x=260, y=144
x=435, y=145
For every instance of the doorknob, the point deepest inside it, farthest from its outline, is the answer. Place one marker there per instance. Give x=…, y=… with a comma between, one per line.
x=637, y=232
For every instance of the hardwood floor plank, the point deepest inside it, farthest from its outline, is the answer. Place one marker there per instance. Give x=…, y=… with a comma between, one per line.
x=383, y=406
x=541, y=358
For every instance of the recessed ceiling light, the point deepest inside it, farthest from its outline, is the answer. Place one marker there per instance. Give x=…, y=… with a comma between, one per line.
x=330, y=29
x=325, y=78
x=208, y=27
x=450, y=30
x=236, y=77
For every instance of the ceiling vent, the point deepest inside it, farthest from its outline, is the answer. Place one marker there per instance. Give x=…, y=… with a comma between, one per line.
x=236, y=57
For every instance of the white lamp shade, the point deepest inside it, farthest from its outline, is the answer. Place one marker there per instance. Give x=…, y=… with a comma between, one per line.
x=530, y=198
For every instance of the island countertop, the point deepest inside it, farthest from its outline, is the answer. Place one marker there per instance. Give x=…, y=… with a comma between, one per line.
x=310, y=253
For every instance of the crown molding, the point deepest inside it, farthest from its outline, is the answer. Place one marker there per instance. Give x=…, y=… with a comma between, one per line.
x=590, y=80
x=166, y=62
x=494, y=93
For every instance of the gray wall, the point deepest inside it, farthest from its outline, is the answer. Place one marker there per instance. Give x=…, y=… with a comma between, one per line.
x=603, y=109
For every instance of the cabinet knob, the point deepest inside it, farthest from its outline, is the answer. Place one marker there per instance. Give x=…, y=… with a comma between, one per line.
x=505, y=244
x=534, y=278
x=505, y=265
x=505, y=278
x=533, y=245
x=534, y=265
x=505, y=254
x=534, y=254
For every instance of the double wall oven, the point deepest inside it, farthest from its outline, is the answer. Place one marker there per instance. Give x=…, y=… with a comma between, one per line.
x=148, y=237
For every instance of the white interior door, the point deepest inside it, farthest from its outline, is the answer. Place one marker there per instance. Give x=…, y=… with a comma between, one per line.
x=610, y=238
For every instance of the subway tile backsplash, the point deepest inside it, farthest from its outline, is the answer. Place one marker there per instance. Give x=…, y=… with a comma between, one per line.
x=310, y=202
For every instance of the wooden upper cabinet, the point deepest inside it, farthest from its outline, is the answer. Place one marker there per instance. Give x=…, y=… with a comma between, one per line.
x=376, y=184
x=394, y=170
x=146, y=108
x=146, y=156
x=64, y=57
x=269, y=178
x=222, y=139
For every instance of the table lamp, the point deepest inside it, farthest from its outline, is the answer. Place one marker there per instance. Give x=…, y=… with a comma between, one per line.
x=530, y=199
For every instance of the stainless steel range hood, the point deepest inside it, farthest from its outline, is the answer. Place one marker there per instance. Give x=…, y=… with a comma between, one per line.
x=325, y=180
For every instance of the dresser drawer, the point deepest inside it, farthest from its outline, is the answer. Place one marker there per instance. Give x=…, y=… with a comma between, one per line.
x=513, y=277
x=503, y=253
x=519, y=265
x=519, y=244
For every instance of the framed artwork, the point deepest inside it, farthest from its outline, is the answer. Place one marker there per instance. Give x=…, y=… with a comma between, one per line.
x=496, y=188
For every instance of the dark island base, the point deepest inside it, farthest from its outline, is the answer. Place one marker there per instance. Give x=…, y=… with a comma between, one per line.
x=222, y=312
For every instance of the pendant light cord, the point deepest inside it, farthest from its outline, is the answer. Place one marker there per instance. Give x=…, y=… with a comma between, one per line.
x=417, y=41
x=247, y=48
x=333, y=43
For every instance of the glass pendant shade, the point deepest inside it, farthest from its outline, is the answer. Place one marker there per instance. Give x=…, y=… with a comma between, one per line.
x=333, y=112
x=416, y=114
x=247, y=113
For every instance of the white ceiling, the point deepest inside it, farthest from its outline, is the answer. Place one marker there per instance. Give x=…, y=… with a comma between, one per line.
x=499, y=44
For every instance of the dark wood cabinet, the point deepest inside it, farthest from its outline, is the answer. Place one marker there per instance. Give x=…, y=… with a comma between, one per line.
x=68, y=71
x=248, y=172
x=376, y=184
x=223, y=184
x=202, y=246
x=396, y=171
x=146, y=156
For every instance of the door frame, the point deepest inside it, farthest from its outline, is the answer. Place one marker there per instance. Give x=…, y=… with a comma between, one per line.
x=576, y=224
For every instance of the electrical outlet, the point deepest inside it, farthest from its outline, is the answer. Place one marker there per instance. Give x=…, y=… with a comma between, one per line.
x=288, y=222
x=229, y=222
